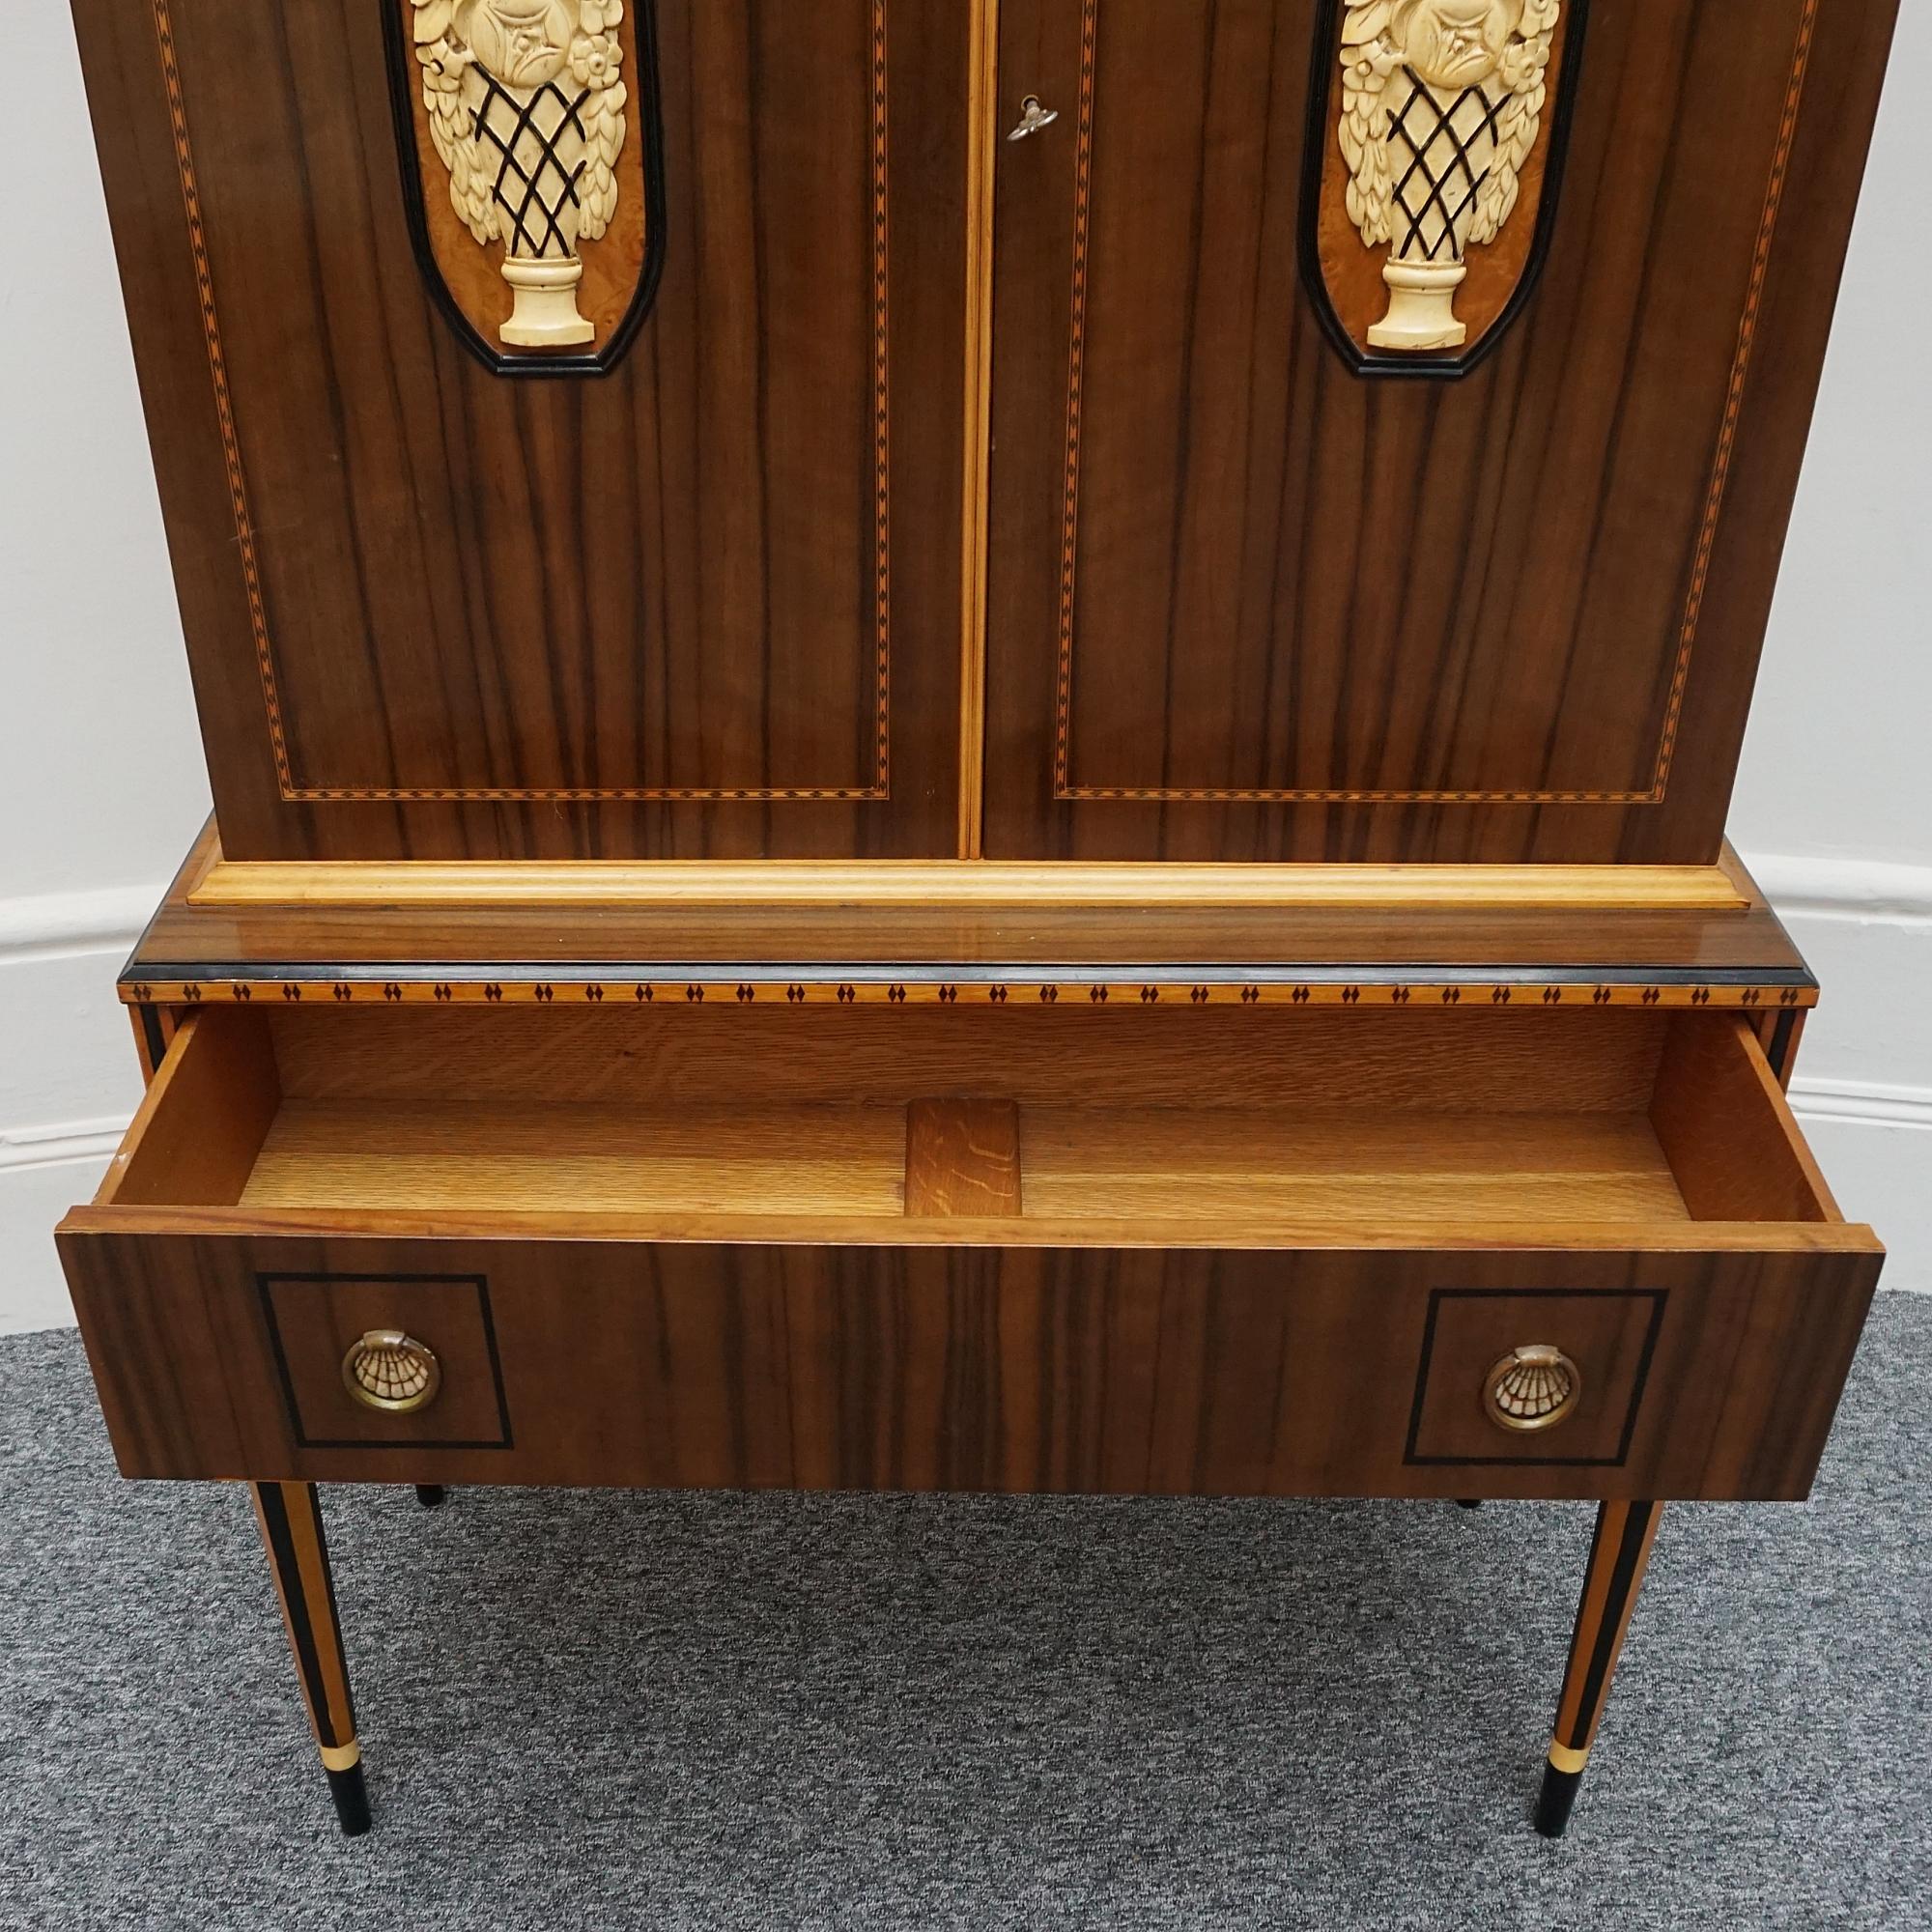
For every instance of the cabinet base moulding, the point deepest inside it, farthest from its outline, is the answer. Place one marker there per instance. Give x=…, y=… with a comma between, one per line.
x=233, y=883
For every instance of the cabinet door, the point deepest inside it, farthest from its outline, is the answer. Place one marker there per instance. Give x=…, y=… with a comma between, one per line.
x=695, y=593
x=1250, y=599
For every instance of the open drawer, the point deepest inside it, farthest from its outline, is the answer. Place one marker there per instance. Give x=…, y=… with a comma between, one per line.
x=1229, y=1251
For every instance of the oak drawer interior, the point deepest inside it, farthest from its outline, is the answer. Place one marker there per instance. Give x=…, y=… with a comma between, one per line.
x=1188, y=1118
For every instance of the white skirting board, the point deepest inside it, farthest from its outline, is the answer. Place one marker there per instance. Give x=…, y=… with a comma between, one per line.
x=67, y=1079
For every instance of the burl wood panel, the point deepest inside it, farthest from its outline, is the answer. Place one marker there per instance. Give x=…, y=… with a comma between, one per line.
x=707, y=605
x=1247, y=605
x=959, y=1368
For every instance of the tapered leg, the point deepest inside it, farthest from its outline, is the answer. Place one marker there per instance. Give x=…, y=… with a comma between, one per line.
x=290, y=1522
x=430, y=1495
x=1619, y=1555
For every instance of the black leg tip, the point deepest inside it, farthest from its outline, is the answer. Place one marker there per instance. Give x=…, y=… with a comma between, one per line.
x=1554, y=1803
x=351, y=1800
x=1469, y=1502
x=430, y=1495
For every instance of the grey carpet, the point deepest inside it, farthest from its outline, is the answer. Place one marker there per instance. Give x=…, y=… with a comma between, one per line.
x=592, y=1709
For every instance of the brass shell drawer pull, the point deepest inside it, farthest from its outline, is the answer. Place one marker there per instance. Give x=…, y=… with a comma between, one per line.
x=1532, y=1388
x=387, y=1370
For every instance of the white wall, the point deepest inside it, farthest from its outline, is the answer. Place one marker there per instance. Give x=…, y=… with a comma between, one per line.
x=102, y=783
x=1833, y=806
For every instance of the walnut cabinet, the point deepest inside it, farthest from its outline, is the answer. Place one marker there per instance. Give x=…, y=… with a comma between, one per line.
x=1239, y=599
x=976, y=745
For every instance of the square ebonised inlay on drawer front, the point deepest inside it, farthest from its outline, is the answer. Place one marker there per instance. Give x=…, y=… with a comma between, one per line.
x=314, y=1320
x=1610, y=1336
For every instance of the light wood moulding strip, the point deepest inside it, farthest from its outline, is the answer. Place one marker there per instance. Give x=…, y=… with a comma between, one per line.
x=951, y=882
x=981, y=136
x=1509, y=1237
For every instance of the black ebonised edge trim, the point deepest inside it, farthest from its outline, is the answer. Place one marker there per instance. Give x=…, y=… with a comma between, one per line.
x=265, y=1278
x=1556, y=1800
x=1662, y=1299
x=351, y=1793
x=151, y=1037
x=1779, y=1054
x=779, y=972
x=647, y=92
x=301, y=1629
x=346, y=1787
x=1611, y=1628
x=1438, y=366
x=1658, y=1298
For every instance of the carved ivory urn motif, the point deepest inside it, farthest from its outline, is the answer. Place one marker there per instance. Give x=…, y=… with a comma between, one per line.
x=1441, y=104
x=527, y=111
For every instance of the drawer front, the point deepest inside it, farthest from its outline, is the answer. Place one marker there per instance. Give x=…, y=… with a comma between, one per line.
x=1003, y=1368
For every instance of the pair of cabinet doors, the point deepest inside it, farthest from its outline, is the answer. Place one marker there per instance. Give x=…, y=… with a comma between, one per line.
x=920, y=492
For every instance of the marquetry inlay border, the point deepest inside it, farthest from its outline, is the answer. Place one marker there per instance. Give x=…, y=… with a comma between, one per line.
x=247, y=537
x=1413, y=1455
x=1064, y=789
x=705, y=986
x=475, y=1323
